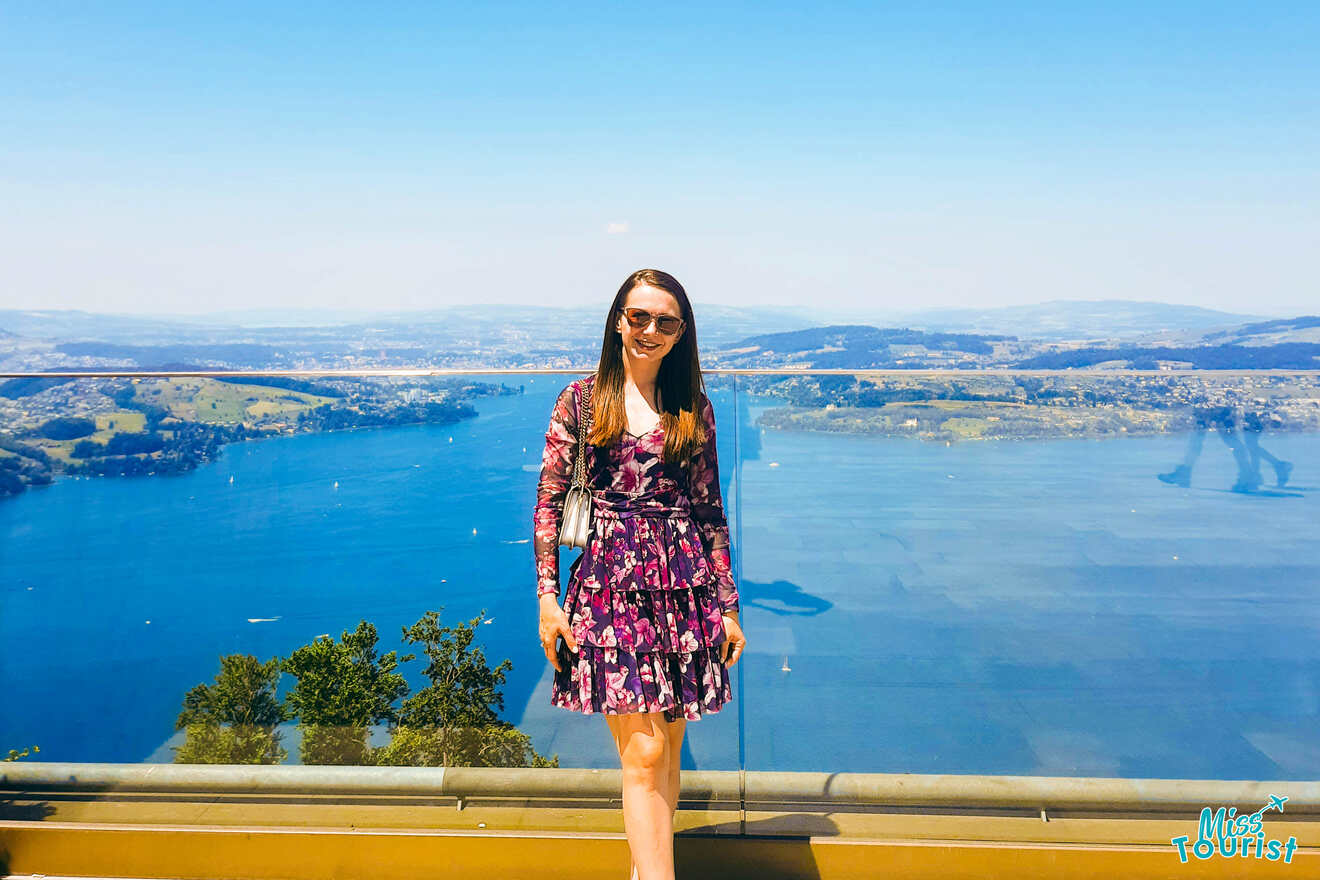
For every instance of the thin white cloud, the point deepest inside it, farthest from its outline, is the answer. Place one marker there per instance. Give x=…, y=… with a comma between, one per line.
x=618, y=228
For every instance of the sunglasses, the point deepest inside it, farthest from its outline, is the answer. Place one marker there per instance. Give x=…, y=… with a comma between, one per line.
x=640, y=319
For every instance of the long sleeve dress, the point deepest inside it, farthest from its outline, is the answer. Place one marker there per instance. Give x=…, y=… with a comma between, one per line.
x=646, y=597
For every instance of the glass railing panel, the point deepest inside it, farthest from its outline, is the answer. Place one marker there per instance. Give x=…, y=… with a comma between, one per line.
x=954, y=573
x=129, y=590
x=995, y=573
x=146, y=547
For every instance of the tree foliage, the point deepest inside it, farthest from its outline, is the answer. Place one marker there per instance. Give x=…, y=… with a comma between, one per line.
x=234, y=720
x=342, y=688
x=454, y=721
x=66, y=428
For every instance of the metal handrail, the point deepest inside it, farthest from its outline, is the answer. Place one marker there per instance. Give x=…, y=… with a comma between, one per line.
x=764, y=787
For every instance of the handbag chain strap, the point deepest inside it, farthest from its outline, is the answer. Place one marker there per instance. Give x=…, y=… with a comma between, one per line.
x=579, y=463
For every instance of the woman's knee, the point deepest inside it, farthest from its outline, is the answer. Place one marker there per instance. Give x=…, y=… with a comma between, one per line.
x=643, y=748
x=647, y=750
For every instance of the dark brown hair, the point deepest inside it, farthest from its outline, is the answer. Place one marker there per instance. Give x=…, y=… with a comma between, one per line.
x=679, y=379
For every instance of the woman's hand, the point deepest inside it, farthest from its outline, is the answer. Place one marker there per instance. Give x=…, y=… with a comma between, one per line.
x=554, y=623
x=732, y=647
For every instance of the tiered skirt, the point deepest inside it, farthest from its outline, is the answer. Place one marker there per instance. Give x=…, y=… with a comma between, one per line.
x=641, y=603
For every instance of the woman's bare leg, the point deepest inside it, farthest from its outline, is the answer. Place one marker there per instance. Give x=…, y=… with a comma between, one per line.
x=675, y=731
x=643, y=743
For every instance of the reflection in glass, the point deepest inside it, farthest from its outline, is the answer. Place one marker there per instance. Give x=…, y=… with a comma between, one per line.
x=976, y=573
x=953, y=572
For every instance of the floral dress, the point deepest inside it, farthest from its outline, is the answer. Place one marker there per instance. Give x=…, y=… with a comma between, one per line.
x=646, y=597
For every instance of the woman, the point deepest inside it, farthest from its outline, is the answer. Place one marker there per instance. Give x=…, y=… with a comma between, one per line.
x=650, y=622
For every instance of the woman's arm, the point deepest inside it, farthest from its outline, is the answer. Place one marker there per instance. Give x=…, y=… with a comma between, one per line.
x=708, y=512
x=556, y=477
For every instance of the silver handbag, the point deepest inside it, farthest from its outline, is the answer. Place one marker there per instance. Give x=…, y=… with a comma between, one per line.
x=575, y=522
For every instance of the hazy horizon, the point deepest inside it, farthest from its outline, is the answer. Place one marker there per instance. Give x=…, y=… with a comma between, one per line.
x=828, y=312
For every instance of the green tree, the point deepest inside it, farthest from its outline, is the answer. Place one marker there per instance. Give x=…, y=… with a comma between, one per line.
x=234, y=721
x=342, y=688
x=453, y=722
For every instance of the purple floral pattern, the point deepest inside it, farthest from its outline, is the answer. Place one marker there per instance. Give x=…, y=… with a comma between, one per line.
x=646, y=598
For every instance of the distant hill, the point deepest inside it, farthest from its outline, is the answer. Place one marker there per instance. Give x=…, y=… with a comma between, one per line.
x=1077, y=319
x=1305, y=328
x=1286, y=356
x=858, y=346
x=753, y=336
x=239, y=354
x=555, y=328
x=72, y=324
x=17, y=389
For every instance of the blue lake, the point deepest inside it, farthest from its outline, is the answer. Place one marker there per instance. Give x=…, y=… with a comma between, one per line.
x=1032, y=607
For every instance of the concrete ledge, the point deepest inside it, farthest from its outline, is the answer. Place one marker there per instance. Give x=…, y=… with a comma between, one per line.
x=268, y=854
x=295, y=822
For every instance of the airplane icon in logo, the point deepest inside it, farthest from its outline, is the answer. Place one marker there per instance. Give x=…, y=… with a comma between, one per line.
x=1276, y=803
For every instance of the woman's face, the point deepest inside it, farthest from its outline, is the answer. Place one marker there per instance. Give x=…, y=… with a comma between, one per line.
x=636, y=341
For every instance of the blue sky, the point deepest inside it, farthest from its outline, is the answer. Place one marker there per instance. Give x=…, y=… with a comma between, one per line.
x=182, y=158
